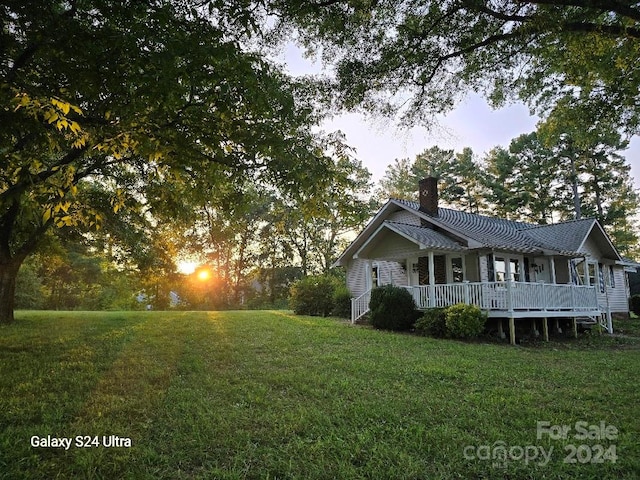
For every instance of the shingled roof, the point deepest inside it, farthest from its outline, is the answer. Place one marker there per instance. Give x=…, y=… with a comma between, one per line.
x=426, y=237
x=566, y=236
x=499, y=233
x=455, y=230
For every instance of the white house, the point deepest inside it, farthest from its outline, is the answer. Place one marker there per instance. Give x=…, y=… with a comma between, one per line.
x=512, y=270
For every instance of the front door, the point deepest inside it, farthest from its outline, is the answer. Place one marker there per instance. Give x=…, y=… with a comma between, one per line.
x=414, y=272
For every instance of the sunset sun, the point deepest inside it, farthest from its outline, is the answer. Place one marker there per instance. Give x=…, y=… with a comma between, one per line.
x=204, y=274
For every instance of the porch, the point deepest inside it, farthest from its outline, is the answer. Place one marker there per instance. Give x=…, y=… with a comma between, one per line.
x=506, y=299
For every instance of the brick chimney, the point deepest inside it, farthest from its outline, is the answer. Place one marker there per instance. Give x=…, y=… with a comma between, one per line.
x=428, y=195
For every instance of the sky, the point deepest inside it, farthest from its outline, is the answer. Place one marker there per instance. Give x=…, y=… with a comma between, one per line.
x=472, y=124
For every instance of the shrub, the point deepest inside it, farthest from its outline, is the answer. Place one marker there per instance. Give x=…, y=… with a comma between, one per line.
x=392, y=308
x=312, y=296
x=433, y=323
x=342, y=302
x=464, y=321
x=634, y=304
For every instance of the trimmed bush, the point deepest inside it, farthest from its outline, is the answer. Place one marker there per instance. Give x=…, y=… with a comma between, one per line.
x=342, y=302
x=433, y=323
x=464, y=321
x=634, y=304
x=313, y=296
x=392, y=308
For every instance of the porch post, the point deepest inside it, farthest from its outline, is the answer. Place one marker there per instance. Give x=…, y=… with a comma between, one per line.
x=432, y=280
x=558, y=329
x=552, y=266
x=353, y=310
x=545, y=329
x=512, y=331
x=575, y=327
x=500, y=329
x=534, y=328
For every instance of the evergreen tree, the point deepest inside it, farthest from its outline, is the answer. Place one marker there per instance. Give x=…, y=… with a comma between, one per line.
x=459, y=176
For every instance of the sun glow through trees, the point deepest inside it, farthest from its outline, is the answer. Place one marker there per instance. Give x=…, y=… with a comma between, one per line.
x=204, y=274
x=187, y=267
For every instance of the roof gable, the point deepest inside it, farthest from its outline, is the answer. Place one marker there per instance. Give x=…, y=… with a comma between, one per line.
x=370, y=229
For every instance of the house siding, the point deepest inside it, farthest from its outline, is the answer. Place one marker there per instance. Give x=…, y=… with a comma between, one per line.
x=393, y=246
x=357, y=276
x=591, y=249
x=388, y=273
x=395, y=274
x=618, y=300
x=484, y=270
x=616, y=296
x=472, y=266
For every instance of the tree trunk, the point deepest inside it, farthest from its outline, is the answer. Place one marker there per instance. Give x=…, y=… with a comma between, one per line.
x=574, y=186
x=8, y=274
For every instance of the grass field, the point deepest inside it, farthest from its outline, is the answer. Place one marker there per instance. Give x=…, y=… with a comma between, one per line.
x=235, y=395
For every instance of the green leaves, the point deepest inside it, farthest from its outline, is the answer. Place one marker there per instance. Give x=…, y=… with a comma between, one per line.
x=416, y=59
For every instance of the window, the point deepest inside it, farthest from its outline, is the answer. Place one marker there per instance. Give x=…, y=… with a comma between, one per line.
x=457, y=270
x=592, y=271
x=508, y=268
x=501, y=269
x=375, y=278
x=514, y=268
x=612, y=277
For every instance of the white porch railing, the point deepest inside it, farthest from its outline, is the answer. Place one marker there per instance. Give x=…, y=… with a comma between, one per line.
x=497, y=296
x=360, y=306
x=507, y=296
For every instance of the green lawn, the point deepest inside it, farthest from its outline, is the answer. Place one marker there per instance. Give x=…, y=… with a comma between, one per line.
x=271, y=395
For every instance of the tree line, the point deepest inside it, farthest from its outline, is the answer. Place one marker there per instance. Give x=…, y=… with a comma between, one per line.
x=530, y=181
x=254, y=242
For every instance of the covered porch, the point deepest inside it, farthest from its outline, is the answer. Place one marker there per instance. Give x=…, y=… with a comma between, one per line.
x=509, y=299
x=500, y=299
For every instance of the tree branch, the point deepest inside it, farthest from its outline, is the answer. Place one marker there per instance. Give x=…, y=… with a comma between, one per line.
x=22, y=186
x=21, y=61
x=326, y=3
x=487, y=41
x=30, y=50
x=502, y=16
x=611, y=30
x=29, y=246
x=614, y=6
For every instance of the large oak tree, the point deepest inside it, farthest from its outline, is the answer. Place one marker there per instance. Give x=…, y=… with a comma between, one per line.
x=145, y=101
